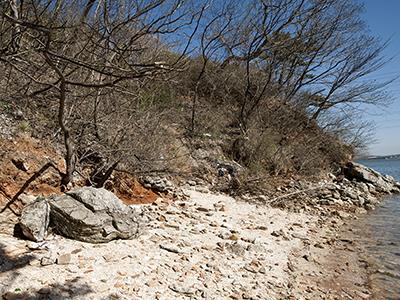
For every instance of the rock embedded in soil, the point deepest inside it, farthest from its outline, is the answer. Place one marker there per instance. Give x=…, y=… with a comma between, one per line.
x=64, y=259
x=20, y=164
x=157, y=184
x=47, y=261
x=170, y=248
x=36, y=246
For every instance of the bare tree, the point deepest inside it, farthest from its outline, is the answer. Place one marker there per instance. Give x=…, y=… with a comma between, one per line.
x=67, y=49
x=287, y=47
x=274, y=70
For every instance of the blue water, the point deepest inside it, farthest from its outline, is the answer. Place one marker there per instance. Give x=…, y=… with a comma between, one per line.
x=382, y=226
x=384, y=166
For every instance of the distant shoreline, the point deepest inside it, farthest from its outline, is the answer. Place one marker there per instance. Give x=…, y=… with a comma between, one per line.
x=386, y=157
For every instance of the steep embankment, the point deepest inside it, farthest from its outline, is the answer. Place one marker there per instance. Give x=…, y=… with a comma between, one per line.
x=22, y=156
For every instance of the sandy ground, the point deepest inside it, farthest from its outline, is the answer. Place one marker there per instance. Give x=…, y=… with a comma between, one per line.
x=207, y=247
x=333, y=267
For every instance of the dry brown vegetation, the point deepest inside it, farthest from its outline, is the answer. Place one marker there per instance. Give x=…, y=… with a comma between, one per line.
x=139, y=86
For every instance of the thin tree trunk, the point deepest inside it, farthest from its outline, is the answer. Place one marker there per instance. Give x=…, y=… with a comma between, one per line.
x=68, y=142
x=69, y=155
x=16, y=38
x=196, y=98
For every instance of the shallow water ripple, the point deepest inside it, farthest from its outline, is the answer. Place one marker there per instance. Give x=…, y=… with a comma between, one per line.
x=380, y=235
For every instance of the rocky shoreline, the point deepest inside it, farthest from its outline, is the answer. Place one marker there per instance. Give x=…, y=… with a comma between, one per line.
x=358, y=188
x=211, y=246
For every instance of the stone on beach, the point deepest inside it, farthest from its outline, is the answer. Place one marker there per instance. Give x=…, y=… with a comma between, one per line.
x=93, y=215
x=35, y=219
x=364, y=174
x=85, y=214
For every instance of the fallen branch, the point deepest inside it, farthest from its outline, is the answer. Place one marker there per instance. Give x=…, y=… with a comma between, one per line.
x=135, y=173
x=5, y=194
x=36, y=175
x=277, y=199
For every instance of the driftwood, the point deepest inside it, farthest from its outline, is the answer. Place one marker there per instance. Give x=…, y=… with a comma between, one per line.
x=35, y=176
x=278, y=199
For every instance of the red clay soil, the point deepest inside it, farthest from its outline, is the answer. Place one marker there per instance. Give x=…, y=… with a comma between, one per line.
x=34, y=154
x=130, y=191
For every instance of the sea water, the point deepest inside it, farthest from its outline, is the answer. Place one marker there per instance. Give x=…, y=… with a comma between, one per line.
x=381, y=228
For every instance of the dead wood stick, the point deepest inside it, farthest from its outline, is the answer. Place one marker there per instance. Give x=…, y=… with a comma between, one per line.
x=298, y=192
x=104, y=177
x=8, y=197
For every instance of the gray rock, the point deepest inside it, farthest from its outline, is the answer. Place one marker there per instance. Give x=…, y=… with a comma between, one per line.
x=339, y=202
x=325, y=193
x=332, y=176
x=187, y=291
x=47, y=261
x=19, y=114
x=157, y=184
x=36, y=246
x=35, y=219
x=203, y=209
x=361, y=173
x=27, y=199
x=351, y=194
x=237, y=248
x=225, y=168
x=262, y=198
x=324, y=202
x=224, y=234
x=202, y=189
x=191, y=182
x=371, y=200
x=170, y=248
x=371, y=188
x=361, y=201
x=369, y=206
x=397, y=187
x=256, y=248
x=99, y=200
x=20, y=164
x=93, y=215
x=64, y=259
x=363, y=187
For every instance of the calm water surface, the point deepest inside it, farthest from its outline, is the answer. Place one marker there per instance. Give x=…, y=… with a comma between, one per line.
x=382, y=227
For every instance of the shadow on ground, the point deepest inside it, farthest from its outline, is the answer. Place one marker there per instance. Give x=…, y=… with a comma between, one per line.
x=9, y=269
x=70, y=289
x=8, y=263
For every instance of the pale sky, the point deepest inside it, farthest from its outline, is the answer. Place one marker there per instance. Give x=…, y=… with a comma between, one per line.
x=383, y=19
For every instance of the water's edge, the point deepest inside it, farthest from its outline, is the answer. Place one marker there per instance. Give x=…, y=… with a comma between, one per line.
x=378, y=233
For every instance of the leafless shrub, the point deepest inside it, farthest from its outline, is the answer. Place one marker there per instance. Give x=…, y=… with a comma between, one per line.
x=267, y=78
